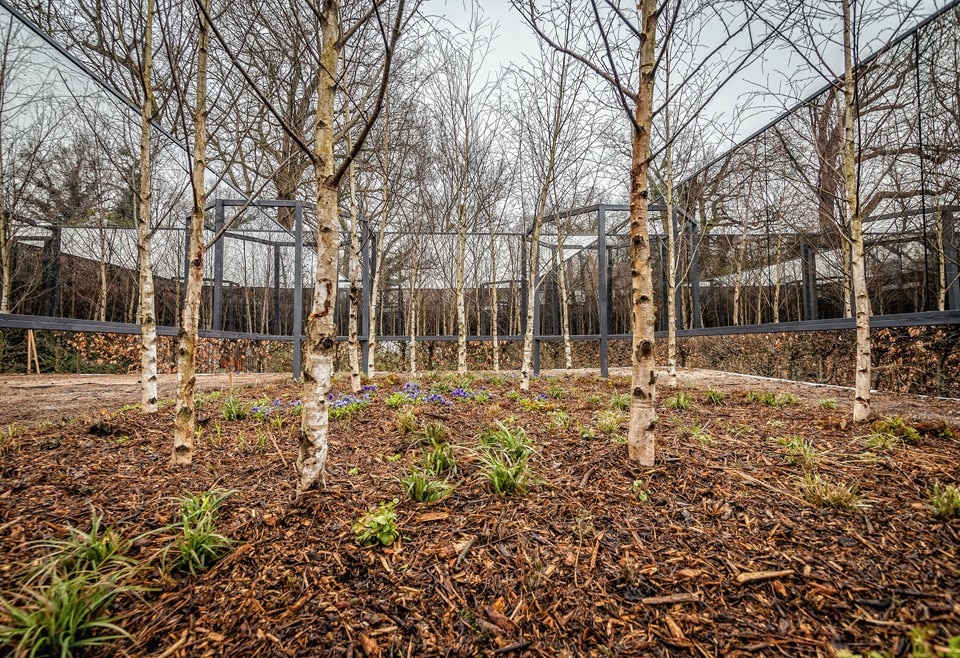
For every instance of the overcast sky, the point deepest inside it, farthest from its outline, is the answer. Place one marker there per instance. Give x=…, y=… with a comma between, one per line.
x=748, y=97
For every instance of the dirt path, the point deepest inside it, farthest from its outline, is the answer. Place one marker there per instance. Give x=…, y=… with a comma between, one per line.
x=29, y=399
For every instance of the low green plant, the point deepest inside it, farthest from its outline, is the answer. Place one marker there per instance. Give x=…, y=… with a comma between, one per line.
x=513, y=395
x=700, y=434
x=396, y=400
x=772, y=399
x=433, y=433
x=439, y=459
x=405, y=422
x=882, y=441
x=620, y=402
x=714, y=397
x=945, y=500
x=823, y=492
x=609, y=421
x=640, y=491
x=799, y=449
x=233, y=408
x=102, y=548
x=497, y=380
x=505, y=475
x=10, y=439
x=394, y=458
x=423, y=486
x=509, y=440
x=898, y=427
x=679, y=402
x=828, y=403
x=63, y=615
x=378, y=525
x=199, y=544
x=354, y=471
x=560, y=419
x=539, y=403
x=556, y=392
x=594, y=399
x=586, y=432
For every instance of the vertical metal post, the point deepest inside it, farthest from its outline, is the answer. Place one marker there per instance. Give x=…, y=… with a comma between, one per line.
x=365, y=278
x=678, y=241
x=298, y=293
x=694, y=251
x=556, y=292
x=950, y=260
x=218, y=268
x=524, y=274
x=665, y=283
x=275, y=321
x=808, y=258
x=51, y=273
x=602, y=273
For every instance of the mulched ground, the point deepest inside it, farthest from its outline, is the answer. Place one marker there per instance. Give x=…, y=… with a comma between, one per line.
x=576, y=566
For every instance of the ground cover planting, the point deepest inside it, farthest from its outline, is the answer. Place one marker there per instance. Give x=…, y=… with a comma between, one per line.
x=461, y=516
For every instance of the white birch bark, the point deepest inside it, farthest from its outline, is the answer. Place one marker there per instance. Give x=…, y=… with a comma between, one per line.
x=564, y=305
x=185, y=422
x=353, y=268
x=861, y=401
x=671, y=239
x=147, y=310
x=641, y=440
x=381, y=244
x=320, y=334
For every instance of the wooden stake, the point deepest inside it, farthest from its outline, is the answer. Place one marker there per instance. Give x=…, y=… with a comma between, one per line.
x=32, y=352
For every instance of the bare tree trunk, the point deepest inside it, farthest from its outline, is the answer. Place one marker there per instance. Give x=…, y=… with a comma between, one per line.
x=495, y=304
x=738, y=280
x=861, y=402
x=779, y=271
x=941, y=259
x=353, y=267
x=413, y=315
x=381, y=246
x=459, y=284
x=320, y=335
x=641, y=438
x=185, y=423
x=671, y=238
x=148, y=304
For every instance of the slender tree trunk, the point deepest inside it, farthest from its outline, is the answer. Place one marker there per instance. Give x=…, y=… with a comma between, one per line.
x=671, y=240
x=641, y=438
x=738, y=280
x=353, y=267
x=148, y=304
x=185, y=423
x=526, y=369
x=941, y=259
x=102, y=301
x=460, y=257
x=861, y=402
x=320, y=335
x=778, y=282
x=495, y=304
x=381, y=246
x=6, y=255
x=413, y=315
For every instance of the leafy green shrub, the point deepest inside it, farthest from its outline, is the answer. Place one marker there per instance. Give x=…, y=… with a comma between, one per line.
x=945, y=500
x=433, y=433
x=100, y=549
x=378, y=525
x=396, y=400
x=200, y=545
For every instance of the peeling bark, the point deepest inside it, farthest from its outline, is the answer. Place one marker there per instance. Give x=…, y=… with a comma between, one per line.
x=185, y=421
x=861, y=401
x=147, y=311
x=320, y=334
x=641, y=438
